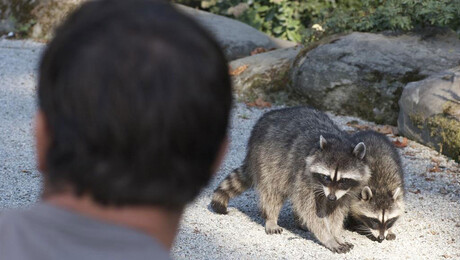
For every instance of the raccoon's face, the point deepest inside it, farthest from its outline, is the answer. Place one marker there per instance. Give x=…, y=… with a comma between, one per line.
x=378, y=212
x=337, y=168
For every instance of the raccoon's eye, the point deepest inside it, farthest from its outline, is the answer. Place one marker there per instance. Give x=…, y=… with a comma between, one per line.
x=326, y=178
x=391, y=222
x=346, y=183
x=322, y=178
x=372, y=223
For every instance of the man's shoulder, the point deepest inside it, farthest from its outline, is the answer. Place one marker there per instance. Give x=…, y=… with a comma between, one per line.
x=8, y=217
x=46, y=232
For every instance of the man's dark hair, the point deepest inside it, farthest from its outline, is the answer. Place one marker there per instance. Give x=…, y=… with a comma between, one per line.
x=137, y=98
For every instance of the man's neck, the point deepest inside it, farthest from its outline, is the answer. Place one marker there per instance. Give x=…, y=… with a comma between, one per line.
x=156, y=222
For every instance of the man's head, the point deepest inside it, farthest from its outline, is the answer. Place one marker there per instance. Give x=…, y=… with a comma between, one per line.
x=134, y=101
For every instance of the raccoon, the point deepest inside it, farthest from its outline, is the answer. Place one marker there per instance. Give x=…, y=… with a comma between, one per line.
x=381, y=202
x=300, y=154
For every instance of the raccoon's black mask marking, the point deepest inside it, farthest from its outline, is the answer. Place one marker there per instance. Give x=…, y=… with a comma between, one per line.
x=375, y=223
x=342, y=184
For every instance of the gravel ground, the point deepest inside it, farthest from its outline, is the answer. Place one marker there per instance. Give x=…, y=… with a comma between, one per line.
x=19, y=180
x=429, y=230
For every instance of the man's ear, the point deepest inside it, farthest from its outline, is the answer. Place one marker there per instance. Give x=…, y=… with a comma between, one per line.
x=220, y=155
x=42, y=140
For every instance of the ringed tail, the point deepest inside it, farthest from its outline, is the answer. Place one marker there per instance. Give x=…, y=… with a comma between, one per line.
x=233, y=185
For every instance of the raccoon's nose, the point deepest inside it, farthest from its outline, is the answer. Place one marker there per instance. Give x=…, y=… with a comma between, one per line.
x=331, y=197
x=380, y=238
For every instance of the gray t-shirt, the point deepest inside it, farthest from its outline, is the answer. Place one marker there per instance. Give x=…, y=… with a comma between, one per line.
x=46, y=232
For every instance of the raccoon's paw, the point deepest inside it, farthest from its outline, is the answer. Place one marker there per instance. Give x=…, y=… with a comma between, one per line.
x=219, y=207
x=272, y=228
x=350, y=245
x=342, y=248
x=391, y=236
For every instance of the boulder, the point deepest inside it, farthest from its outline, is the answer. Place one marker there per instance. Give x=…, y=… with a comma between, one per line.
x=264, y=75
x=7, y=26
x=35, y=18
x=363, y=74
x=48, y=14
x=12, y=13
x=236, y=38
x=430, y=112
x=39, y=18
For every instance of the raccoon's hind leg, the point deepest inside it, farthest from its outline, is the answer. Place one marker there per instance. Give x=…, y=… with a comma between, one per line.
x=233, y=185
x=270, y=204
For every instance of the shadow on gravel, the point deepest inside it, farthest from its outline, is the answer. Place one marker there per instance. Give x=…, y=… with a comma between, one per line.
x=247, y=203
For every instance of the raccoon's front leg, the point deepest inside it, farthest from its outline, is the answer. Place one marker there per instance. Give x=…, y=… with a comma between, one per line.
x=324, y=235
x=337, y=229
x=321, y=228
x=271, y=205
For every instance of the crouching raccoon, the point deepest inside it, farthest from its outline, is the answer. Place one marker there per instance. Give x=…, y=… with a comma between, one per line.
x=301, y=155
x=381, y=202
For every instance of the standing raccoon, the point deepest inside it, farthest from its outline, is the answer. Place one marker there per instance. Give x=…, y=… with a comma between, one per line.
x=381, y=202
x=300, y=154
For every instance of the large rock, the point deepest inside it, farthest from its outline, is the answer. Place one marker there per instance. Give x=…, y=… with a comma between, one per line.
x=49, y=14
x=236, y=38
x=36, y=18
x=363, y=74
x=430, y=112
x=13, y=13
x=40, y=18
x=7, y=26
x=264, y=75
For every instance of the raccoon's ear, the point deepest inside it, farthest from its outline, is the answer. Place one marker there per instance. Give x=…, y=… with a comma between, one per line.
x=360, y=150
x=322, y=142
x=396, y=193
x=366, y=193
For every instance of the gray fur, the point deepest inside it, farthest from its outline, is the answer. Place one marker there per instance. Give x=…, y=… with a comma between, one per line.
x=285, y=147
x=383, y=197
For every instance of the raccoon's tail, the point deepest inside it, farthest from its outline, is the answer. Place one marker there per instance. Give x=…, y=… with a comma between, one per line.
x=233, y=185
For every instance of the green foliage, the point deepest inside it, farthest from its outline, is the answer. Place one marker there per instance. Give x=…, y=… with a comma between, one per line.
x=311, y=20
x=279, y=18
x=404, y=15
x=23, y=29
